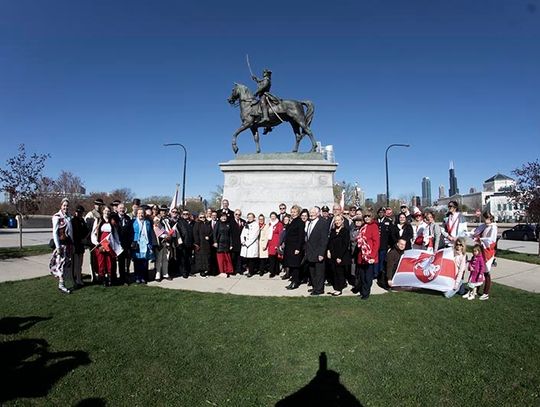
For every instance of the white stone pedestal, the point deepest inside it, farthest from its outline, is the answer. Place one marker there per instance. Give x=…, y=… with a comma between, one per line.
x=258, y=183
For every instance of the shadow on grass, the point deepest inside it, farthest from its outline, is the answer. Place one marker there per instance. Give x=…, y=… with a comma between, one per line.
x=28, y=367
x=91, y=402
x=14, y=325
x=324, y=389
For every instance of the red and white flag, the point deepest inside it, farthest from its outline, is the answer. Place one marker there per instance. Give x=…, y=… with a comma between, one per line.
x=114, y=244
x=174, y=202
x=342, y=200
x=422, y=269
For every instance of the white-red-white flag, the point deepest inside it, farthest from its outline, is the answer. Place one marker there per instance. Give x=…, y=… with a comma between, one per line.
x=342, y=200
x=422, y=269
x=174, y=202
x=114, y=244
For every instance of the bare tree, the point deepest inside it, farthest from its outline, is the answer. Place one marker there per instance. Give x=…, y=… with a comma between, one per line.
x=122, y=194
x=48, y=202
x=68, y=184
x=216, y=197
x=21, y=179
x=350, y=192
x=527, y=191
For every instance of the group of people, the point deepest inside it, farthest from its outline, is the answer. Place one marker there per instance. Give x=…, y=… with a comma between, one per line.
x=318, y=247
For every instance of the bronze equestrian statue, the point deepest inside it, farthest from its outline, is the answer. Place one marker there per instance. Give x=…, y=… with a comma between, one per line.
x=270, y=111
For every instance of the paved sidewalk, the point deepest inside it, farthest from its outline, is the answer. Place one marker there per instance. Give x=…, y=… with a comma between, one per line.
x=516, y=274
x=24, y=268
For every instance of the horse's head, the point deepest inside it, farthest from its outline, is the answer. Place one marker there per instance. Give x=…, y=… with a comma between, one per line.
x=234, y=94
x=239, y=92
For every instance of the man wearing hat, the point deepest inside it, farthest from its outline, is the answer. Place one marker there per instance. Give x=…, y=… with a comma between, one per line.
x=80, y=232
x=325, y=212
x=114, y=212
x=91, y=218
x=184, y=234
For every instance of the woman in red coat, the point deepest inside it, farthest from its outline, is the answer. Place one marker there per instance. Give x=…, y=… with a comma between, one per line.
x=274, y=231
x=368, y=254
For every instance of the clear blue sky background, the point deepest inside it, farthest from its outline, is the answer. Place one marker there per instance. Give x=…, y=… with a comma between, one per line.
x=101, y=85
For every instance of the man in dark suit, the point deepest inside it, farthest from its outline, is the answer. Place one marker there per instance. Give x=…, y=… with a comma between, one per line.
x=225, y=210
x=316, y=243
x=282, y=211
x=125, y=232
x=236, y=230
x=184, y=250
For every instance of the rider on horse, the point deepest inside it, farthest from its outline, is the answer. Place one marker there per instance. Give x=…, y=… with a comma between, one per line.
x=263, y=87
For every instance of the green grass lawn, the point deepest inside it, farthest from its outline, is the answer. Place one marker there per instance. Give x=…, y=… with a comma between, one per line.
x=142, y=346
x=525, y=257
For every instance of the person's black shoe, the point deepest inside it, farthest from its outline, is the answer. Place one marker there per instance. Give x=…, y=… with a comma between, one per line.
x=315, y=293
x=354, y=290
x=292, y=286
x=286, y=276
x=310, y=290
x=249, y=275
x=185, y=276
x=364, y=297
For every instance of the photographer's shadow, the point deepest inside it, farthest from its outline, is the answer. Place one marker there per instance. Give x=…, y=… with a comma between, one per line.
x=324, y=389
x=29, y=369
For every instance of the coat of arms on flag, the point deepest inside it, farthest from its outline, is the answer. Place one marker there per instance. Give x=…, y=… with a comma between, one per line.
x=422, y=269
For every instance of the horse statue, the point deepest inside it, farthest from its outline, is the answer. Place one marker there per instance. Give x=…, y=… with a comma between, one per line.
x=279, y=111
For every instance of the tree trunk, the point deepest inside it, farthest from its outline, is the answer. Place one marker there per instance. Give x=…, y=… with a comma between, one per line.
x=19, y=224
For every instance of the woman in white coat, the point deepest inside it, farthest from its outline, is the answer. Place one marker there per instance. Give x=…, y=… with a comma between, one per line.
x=263, y=245
x=249, y=238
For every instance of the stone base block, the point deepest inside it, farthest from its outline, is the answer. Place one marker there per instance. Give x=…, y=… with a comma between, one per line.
x=260, y=182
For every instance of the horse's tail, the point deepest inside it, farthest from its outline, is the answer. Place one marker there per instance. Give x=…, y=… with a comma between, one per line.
x=310, y=109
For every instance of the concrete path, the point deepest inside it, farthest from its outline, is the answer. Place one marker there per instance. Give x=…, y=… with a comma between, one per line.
x=31, y=237
x=516, y=274
x=524, y=276
x=24, y=268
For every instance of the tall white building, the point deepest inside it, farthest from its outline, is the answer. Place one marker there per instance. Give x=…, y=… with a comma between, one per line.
x=441, y=192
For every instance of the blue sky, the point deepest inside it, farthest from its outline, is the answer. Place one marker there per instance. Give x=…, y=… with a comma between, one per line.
x=101, y=85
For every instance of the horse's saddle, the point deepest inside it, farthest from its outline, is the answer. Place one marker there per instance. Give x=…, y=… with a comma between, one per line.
x=256, y=110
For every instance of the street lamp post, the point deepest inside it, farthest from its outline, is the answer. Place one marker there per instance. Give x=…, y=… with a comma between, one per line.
x=183, y=174
x=386, y=163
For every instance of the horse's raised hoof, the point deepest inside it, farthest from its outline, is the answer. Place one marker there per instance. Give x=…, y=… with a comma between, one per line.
x=235, y=148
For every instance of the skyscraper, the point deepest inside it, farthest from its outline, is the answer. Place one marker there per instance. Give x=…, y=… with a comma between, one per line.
x=441, y=192
x=426, y=192
x=453, y=181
